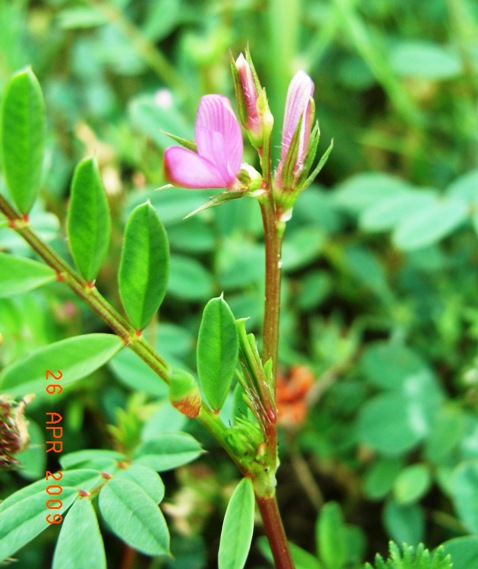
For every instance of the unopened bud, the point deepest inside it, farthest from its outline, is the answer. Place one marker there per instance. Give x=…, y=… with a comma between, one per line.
x=298, y=147
x=298, y=118
x=184, y=393
x=250, y=95
x=251, y=100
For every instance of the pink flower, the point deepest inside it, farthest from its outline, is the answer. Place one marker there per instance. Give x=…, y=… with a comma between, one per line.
x=219, y=149
x=299, y=105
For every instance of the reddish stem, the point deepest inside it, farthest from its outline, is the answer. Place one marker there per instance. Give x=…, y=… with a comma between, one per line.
x=275, y=531
x=266, y=501
x=129, y=557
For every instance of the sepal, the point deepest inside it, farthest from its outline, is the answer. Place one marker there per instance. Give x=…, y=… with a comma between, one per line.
x=218, y=199
x=189, y=144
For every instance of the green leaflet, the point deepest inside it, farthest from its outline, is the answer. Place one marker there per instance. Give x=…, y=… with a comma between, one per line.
x=464, y=493
x=380, y=477
x=330, y=537
x=217, y=351
x=144, y=267
x=404, y=524
x=84, y=479
x=76, y=358
x=23, y=516
x=21, y=275
x=167, y=451
x=89, y=223
x=134, y=516
x=101, y=459
x=394, y=414
x=302, y=559
x=463, y=552
x=424, y=227
x=80, y=545
x=238, y=527
x=147, y=478
x=412, y=483
x=22, y=132
x=189, y=280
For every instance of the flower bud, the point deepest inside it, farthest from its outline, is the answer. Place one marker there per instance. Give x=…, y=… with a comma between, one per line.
x=249, y=92
x=298, y=118
x=254, y=111
x=300, y=139
x=184, y=393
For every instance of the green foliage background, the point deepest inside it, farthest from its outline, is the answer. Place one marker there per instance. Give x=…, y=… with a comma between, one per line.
x=380, y=259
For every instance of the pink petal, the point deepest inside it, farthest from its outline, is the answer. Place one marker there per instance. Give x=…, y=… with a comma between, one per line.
x=300, y=91
x=185, y=168
x=218, y=135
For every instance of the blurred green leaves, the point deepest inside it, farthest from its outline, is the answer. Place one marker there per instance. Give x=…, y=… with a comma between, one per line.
x=464, y=490
x=405, y=410
x=20, y=275
x=426, y=60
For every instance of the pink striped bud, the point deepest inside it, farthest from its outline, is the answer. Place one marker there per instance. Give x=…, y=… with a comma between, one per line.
x=252, y=103
x=250, y=95
x=298, y=119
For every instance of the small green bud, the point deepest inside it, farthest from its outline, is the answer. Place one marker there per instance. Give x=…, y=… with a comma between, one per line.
x=184, y=393
x=250, y=178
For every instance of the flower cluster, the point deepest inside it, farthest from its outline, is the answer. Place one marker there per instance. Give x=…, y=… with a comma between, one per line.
x=13, y=430
x=214, y=160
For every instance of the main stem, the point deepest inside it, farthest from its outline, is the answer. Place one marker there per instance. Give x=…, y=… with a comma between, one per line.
x=275, y=531
x=266, y=499
x=273, y=246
